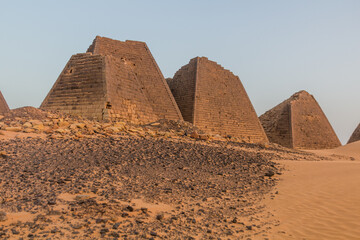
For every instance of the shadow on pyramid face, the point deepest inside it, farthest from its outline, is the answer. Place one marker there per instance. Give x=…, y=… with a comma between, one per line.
x=355, y=136
x=114, y=80
x=4, y=108
x=299, y=122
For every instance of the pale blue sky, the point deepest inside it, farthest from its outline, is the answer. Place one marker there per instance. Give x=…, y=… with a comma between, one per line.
x=276, y=47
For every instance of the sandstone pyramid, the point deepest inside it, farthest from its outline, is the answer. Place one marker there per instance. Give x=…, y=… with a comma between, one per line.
x=3, y=105
x=299, y=122
x=356, y=135
x=114, y=80
x=215, y=100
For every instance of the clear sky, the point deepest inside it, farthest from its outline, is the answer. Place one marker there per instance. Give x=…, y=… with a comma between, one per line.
x=276, y=47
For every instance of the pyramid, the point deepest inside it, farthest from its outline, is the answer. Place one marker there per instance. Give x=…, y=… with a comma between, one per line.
x=299, y=122
x=113, y=80
x=356, y=135
x=215, y=100
x=3, y=105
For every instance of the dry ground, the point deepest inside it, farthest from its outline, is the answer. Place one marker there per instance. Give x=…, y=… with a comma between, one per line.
x=70, y=178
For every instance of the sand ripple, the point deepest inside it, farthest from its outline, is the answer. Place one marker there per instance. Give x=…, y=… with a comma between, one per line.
x=318, y=200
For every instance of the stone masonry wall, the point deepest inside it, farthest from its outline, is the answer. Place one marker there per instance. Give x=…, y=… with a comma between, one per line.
x=3, y=105
x=310, y=127
x=356, y=135
x=222, y=104
x=127, y=98
x=138, y=57
x=277, y=126
x=299, y=122
x=183, y=88
x=80, y=88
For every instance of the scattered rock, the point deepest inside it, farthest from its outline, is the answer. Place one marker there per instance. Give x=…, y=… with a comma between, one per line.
x=160, y=217
x=269, y=173
x=13, y=129
x=3, y=216
x=129, y=208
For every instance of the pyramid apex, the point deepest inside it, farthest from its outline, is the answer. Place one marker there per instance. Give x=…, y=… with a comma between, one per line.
x=300, y=95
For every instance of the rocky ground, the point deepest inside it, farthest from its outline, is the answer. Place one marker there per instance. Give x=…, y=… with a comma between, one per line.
x=166, y=180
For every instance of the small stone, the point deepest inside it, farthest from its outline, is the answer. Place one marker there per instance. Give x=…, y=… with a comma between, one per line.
x=29, y=130
x=82, y=197
x=3, y=216
x=269, y=173
x=77, y=226
x=3, y=154
x=13, y=129
x=129, y=208
x=116, y=225
x=194, y=135
x=27, y=125
x=203, y=136
x=160, y=217
x=100, y=220
x=114, y=234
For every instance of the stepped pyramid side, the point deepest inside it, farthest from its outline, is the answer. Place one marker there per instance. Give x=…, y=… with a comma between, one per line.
x=310, y=127
x=126, y=94
x=80, y=89
x=299, y=122
x=138, y=57
x=277, y=125
x=214, y=100
x=182, y=85
x=356, y=135
x=3, y=105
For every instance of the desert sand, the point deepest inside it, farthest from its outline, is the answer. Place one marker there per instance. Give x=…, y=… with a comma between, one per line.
x=319, y=199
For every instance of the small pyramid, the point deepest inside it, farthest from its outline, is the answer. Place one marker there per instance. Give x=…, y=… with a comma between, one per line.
x=114, y=80
x=355, y=136
x=3, y=105
x=214, y=99
x=299, y=122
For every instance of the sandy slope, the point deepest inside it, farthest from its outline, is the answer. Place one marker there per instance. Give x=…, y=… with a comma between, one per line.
x=347, y=152
x=319, y=199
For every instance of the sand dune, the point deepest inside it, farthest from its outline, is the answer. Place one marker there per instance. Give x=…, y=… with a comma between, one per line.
x=319, y=199
x=349, y=151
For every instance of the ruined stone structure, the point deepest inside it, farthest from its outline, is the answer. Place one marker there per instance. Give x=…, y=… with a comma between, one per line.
x=114, y=80
x=3, y=105
x=215, y=100
x=356, y=135
x=299, y=122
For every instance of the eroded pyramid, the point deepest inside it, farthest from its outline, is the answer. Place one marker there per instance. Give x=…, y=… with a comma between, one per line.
x=114, y=80
x=356, y=135
x=299, y=122
x=3, y=105
x=215, y=100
